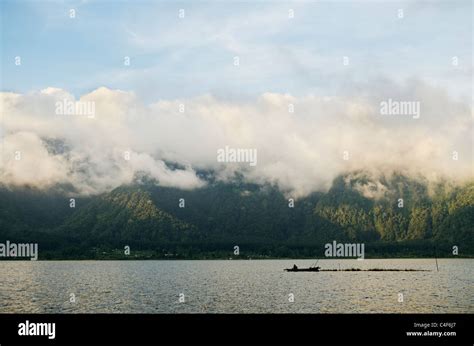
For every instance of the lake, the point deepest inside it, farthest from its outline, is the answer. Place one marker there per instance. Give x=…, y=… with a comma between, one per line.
x=235, y=286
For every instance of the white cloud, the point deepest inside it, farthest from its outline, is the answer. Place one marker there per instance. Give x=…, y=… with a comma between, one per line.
x=26, y=161
x=300, y=152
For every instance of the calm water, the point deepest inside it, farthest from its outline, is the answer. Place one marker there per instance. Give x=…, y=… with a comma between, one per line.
x=245, y=286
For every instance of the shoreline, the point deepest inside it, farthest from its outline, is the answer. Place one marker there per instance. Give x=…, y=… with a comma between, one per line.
x=223, y=259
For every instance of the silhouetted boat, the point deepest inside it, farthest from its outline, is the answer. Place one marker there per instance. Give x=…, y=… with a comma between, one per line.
x=310, y=269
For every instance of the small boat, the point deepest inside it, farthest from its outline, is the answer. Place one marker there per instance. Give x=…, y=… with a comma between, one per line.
x=296, y=269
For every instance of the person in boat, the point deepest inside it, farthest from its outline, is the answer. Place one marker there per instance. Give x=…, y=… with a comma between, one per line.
x=295, y=267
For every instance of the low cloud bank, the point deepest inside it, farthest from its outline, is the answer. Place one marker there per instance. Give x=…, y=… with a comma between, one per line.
x=302, y=143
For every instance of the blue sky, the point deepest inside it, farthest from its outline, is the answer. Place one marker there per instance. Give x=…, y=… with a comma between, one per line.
x=174, y=57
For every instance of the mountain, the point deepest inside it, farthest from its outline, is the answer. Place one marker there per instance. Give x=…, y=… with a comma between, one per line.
x=394, y=215
x=125, y=215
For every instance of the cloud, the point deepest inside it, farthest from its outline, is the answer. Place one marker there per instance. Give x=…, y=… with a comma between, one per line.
x=28, y=162
x=300, y=151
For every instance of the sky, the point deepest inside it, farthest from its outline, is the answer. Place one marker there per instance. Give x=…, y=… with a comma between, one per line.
x=334, y=62
x=172, y=57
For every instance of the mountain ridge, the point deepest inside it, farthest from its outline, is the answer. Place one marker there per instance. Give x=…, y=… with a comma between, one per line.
x=399, y=215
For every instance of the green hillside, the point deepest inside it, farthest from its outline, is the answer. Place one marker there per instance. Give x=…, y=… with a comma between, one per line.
x=148, y=218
